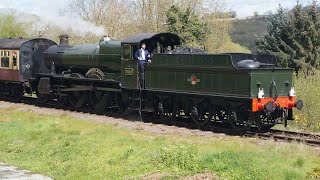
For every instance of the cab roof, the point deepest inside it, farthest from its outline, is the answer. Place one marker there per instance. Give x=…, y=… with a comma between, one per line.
x=169, y=38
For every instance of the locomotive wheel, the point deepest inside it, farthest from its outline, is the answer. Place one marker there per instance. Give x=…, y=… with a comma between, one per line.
x=63, y=100
x=235, y=123
x=222, y=115
x=42, y=98
x=124, y=110
x=77, y=99
x=199, y=116
x=164, y=110
x=259, y=123
x=98, y=100
x=233, y=119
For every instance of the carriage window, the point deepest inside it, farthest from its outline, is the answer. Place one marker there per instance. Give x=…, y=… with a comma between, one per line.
x=5, y=62
x=5, y=53
x=126, y=51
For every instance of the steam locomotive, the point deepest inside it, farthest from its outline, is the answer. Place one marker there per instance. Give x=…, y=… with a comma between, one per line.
x=243, y=90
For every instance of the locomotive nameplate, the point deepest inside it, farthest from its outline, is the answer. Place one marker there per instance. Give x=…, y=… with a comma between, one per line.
x=128, y=71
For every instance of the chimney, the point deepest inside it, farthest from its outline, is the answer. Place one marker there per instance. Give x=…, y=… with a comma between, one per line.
x=64, y=40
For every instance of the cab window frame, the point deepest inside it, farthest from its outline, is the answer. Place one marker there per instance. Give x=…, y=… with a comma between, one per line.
x=126, y=52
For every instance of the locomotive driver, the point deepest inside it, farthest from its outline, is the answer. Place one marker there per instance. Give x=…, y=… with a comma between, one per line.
x=142, y=55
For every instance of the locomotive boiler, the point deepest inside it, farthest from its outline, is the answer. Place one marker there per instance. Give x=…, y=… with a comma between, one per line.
x=99, y=61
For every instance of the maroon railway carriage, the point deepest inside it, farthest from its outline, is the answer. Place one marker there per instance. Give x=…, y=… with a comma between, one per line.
x=20, y=59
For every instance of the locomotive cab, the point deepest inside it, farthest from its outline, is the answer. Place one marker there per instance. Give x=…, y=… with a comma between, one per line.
x=156, y=43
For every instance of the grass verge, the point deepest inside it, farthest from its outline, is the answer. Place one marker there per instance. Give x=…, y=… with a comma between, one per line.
x=66, y=148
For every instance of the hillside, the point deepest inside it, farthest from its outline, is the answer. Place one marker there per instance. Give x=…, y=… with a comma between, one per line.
x=245, y=31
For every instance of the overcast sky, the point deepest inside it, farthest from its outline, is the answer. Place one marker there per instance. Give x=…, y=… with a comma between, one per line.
x=246, y=8
x=243, y=8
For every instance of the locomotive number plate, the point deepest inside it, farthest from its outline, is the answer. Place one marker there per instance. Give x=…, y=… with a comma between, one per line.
x=128, y=71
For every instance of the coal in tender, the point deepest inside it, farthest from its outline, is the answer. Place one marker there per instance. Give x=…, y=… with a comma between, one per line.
x=187, y=50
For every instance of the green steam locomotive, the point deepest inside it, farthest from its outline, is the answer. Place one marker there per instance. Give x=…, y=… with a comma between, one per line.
x=243, y=90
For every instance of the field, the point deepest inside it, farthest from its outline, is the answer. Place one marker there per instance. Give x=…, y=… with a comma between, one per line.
x=62, y=146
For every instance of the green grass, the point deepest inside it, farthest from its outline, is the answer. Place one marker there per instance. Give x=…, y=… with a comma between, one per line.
x=65, y=148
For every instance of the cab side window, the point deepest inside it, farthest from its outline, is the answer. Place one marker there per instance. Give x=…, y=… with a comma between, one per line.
x=126, y=51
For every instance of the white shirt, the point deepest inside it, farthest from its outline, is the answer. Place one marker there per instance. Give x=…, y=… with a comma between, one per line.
x=143, y=55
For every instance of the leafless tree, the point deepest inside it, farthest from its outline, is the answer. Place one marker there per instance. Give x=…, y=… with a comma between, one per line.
x=112, y=14
x=122, y=18
x=90, y=10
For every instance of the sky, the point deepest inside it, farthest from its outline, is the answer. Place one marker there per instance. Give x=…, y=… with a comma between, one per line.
x=49, y=10
x=244, y=8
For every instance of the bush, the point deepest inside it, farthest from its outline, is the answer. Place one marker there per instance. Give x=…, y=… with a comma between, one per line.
x=179, y=157
x=308, y=89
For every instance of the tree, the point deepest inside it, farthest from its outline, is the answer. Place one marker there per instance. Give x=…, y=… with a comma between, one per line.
x=187, y=25
x=276, y=33
x=93, y=10
x=294, y=37
x=121, y=18
x=9, y=27
x=201, y=23
x=114, y=15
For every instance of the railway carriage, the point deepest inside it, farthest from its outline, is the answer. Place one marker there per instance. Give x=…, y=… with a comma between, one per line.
x=21, y=59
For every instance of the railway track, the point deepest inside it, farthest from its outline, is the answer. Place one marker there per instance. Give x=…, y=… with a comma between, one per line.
x=287, y=136
x=276, y=135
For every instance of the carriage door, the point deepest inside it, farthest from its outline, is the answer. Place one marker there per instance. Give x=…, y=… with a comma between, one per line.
x=129, y=67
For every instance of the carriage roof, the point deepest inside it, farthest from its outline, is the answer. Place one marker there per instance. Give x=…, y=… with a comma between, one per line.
x=16, y=43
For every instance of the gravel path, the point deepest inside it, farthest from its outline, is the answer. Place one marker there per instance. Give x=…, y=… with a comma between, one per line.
x=13, y=173
x=130, y=122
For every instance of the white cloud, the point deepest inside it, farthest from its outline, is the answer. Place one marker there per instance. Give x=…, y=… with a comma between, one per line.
x=48, y=11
